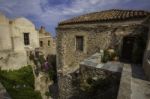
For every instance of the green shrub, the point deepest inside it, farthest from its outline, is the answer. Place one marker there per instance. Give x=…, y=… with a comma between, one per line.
x=108, y=56
x=19, y=83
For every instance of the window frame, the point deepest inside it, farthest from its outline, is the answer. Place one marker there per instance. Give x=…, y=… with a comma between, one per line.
x=49, y=43
x=26, y=37
x=79, y=47
x=41, y=43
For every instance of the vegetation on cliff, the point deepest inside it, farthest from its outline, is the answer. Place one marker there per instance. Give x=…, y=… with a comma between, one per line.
x=19, y=83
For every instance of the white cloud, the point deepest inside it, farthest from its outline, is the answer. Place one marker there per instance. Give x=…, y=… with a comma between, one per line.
x=47, y=14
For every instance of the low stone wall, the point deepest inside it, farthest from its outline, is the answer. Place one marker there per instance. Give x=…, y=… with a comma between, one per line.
x=125, y=84
x=92, y=81
x=99, y=81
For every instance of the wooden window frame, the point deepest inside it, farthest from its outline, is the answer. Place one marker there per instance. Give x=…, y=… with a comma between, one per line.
x=79, y=43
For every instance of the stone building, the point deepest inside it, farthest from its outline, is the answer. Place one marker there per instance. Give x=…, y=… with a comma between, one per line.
x=16, y=38
x=125, y=31
x=46, y=42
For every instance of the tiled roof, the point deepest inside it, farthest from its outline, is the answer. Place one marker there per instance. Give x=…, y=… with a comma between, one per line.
x=106, y=15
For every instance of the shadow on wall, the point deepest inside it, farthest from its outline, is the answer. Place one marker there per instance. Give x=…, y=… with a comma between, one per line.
x=134, y=46
x=138, y=72
x=52, y=61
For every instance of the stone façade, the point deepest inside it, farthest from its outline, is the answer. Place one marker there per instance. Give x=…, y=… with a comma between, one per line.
x=48, y=43
x=97, y=35
x=13, y=51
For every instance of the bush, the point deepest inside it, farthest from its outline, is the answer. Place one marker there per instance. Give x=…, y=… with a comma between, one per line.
x=108, y=56
x=19, y=83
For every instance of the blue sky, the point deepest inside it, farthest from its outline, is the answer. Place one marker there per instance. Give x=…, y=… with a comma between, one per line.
x=49, y=12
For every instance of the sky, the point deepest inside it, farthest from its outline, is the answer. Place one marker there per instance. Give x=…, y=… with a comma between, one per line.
x=49, y=13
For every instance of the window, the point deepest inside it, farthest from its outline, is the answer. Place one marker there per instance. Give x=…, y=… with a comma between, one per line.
x=48, y=42
x=79, y=43
x=26, y=39
x=41, y=43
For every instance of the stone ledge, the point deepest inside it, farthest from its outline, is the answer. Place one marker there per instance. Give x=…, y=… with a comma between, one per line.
x=95, y=62
x=133, y=84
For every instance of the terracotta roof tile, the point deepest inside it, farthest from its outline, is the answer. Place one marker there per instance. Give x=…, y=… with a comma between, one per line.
x=113, y=14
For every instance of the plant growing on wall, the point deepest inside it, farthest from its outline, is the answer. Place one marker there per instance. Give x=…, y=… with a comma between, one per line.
x=109, y=55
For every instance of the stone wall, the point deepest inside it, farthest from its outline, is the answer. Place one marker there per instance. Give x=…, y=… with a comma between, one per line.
x=45, y=38
x=20, y=26
x=68, y=86
x=146, y=59
x=13, y=51
x=10, y=60
x=47, y=49
x=98, y=83
x=96, y=36
x=79, y=84
x=5, y=40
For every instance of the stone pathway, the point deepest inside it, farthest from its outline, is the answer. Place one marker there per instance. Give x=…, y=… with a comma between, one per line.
x=133, y=84
x=3, y=93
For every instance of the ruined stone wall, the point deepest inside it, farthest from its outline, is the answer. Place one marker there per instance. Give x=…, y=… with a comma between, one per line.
x=47, y=49
x=13, y=53
x=98, y=83
x=96, y=37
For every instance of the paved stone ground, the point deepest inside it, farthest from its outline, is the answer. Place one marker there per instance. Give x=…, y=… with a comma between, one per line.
x=3, y=93
x=134, y=84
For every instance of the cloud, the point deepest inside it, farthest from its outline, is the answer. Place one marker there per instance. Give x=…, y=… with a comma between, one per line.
x=50, y=12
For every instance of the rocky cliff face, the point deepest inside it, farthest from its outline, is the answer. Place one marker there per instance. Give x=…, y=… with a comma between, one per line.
x=42, y=83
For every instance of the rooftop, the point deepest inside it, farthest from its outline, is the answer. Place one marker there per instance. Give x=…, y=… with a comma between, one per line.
x=113, y=14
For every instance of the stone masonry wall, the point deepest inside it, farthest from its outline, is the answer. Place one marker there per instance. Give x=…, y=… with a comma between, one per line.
x=146, y=60
x=96, y=37
x=47, y=49
x=98, y=83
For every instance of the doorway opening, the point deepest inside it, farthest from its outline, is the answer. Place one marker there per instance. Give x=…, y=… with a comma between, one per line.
x=127, y=48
